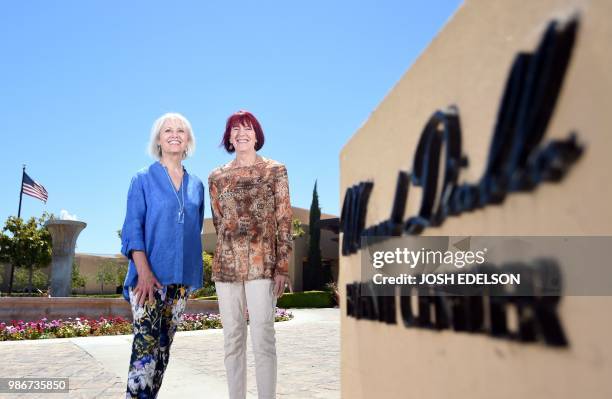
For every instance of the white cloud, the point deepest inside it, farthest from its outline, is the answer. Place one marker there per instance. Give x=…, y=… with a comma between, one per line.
x=65, y=215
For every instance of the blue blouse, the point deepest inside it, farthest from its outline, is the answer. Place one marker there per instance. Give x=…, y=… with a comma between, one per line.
x=173, y=249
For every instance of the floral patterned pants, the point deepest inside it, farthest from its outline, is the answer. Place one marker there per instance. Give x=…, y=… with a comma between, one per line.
x=154, y=327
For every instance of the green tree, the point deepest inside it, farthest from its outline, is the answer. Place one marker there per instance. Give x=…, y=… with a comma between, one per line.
x=106, y=274
x=39, y=281
x=207, y=259
x=314, y=270
x=26, y=244
x=120, y=272
x=296, y=228
x=78, y=280
x=208, y=286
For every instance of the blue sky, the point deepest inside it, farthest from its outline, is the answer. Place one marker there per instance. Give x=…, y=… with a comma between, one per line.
x=81, y=83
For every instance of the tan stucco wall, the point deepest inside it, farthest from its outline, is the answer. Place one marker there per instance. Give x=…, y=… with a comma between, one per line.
x=467, y=65
x=89, y=266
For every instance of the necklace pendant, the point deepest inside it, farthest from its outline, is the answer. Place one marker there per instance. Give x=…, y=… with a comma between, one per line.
x=181, y=216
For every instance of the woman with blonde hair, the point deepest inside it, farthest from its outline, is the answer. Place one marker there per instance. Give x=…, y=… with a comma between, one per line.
x=161, y=239
x=252, y=217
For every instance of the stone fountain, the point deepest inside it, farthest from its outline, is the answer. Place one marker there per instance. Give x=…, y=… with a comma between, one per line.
x=64, y=234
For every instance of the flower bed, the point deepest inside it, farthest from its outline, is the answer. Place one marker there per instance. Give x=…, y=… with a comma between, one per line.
x=77, y=327
x=84, y=327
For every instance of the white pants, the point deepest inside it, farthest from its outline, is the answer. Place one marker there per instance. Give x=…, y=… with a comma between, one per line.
x=258, y=297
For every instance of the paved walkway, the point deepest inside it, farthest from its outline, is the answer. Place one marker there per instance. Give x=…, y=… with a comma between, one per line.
x=308, y=350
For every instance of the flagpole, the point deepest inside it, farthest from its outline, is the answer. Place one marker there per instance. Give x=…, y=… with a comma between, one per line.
x=21, y=192
x=10, y=287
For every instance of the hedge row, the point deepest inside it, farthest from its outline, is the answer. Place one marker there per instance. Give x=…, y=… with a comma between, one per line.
x=305, y=299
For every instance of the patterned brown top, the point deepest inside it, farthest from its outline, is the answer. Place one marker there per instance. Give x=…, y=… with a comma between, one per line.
x=252, y=217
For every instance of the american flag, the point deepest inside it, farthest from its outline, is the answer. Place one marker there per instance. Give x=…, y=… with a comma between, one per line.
x=33, y=189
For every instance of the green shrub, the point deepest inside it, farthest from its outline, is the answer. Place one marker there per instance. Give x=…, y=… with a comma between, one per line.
x=207, y=291
x=207, y=297
x=306, y=299
x=208, y=286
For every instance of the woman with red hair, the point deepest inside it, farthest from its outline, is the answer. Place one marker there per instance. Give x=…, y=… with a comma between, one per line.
x=252, y=218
